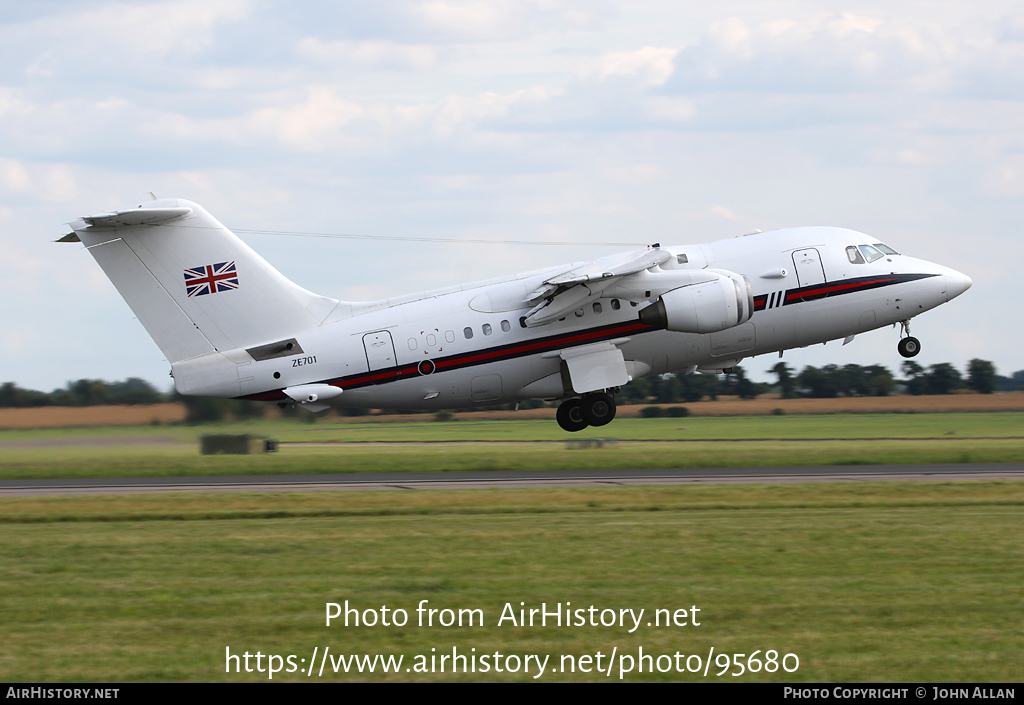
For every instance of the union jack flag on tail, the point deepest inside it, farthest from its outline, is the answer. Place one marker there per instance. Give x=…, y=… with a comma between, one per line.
x=211, y=278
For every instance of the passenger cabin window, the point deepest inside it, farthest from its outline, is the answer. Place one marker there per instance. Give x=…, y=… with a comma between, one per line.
x=522, y=321
x=449, y=335
x=506, y=326
x=853, y=254
x=616, y=305
x=468, y=332
x=412, y=343
x=431, y=340
x=597, y=307
x=487, y=328
x=870, y=253
x=579, y=314
x=886, y=249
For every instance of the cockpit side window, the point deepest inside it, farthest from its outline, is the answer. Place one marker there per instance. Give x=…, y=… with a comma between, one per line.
x=853, y=254
x=870, y=253
x=886, y=249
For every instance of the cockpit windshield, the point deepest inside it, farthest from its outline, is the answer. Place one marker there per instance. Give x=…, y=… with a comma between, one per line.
x=871, y=253
x=868, y=253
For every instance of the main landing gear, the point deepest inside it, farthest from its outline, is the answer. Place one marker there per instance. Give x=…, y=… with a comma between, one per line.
x=592, y=410
x=908, y=346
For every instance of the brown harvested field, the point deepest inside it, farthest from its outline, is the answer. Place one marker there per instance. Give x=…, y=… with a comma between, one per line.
x=854, y=405
x=65, y=416
x=62, y=417
x=766, y=404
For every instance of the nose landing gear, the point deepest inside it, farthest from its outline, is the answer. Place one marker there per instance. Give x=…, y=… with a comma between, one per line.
x=592, y=410
x=908, y=346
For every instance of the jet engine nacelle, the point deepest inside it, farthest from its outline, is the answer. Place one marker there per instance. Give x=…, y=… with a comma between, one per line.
x=724, y=302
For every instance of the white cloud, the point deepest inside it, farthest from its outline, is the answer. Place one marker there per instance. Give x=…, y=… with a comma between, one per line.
x=472, y=17
x=1006, y=177
x=175, y=26
x=18, y=338
x=837, y=52
x=733, y=35
x=309, y=126
x=480, y=19
x=58, y=184
x=652, y=65
x=847, y=23
x=310, y=123
x=670, y=109
x=318, y=120
x=463, y=113
x=47, y=182
x=14, y=176
x=13, y=105
x=634, y=174
x=378, y=54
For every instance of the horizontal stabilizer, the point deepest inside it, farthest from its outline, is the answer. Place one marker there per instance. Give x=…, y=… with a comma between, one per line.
x=135, y=216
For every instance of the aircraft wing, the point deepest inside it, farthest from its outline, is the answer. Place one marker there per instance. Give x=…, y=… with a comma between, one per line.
x=567, y=290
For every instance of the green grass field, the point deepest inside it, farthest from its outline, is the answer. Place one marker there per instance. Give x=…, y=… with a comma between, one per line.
x=174, y=461
x=866, y=581
x=863, y=581
x=505, y=445
x=385, y=429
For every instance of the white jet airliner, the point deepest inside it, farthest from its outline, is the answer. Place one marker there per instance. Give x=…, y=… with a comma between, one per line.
x=233, y=326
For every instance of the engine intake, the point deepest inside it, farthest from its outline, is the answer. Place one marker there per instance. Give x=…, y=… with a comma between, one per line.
x=724, y=302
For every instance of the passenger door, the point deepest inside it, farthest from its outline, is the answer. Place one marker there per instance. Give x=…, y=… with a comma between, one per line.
x=380, y=350
x=809, y=272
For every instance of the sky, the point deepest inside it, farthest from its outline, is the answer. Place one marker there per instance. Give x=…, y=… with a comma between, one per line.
x=589, y=122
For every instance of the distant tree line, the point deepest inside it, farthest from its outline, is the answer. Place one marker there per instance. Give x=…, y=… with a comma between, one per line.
x=869, y=381
x=823, y=382
x=677, y=388
x=878, y=381
x=828, y=381
x=1013, y=383
x=84, y=392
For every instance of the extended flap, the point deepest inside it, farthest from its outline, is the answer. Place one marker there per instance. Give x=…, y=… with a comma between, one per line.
x=595, y=367
x=563, y=292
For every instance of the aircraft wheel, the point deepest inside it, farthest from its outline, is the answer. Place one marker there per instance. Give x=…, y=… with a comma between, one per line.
x=909, y=347
x=598, y=409
x=570, y=416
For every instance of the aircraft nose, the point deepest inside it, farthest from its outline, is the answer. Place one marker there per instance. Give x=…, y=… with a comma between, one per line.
x=956, y=284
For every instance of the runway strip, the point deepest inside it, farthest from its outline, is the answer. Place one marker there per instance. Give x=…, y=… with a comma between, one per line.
x=491, y=480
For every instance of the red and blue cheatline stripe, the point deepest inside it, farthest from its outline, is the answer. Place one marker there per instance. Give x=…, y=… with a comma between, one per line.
x=477, y=357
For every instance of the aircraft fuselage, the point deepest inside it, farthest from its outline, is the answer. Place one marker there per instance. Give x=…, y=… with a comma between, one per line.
x=467, y=346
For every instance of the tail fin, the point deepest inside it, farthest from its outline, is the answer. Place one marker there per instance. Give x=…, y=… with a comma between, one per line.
x=193, y=284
